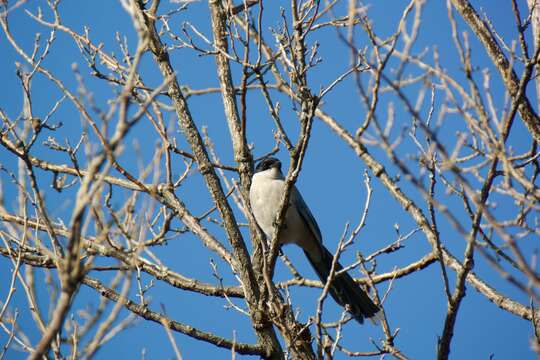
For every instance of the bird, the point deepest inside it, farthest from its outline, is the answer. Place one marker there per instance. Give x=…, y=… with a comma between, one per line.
x=300, y=228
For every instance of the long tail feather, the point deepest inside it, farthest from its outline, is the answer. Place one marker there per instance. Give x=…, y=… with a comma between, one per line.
x=344, y=290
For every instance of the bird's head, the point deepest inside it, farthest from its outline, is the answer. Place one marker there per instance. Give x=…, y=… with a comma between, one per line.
x=268, y=163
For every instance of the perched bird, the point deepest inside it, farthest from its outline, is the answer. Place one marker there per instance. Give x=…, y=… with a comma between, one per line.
x=300, y=228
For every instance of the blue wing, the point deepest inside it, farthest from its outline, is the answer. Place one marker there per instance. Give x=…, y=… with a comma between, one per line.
x=306, y=214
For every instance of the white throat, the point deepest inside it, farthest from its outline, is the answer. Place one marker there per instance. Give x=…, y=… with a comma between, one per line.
x=272, y=173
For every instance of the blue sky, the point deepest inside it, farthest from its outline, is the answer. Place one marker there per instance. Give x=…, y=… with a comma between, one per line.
x=331, y=182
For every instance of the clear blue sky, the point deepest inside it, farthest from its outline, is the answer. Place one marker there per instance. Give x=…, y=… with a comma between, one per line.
x=416, y=304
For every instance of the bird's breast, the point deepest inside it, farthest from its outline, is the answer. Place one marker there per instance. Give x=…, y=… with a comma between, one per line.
x=265, y=196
